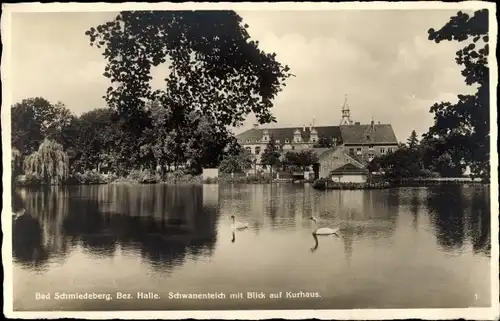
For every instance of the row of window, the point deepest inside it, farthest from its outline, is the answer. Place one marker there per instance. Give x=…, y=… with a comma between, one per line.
x=382, y=150
x=287, y=141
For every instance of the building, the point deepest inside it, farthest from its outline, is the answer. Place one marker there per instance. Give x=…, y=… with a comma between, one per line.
x=349, y=173
x=349, y=143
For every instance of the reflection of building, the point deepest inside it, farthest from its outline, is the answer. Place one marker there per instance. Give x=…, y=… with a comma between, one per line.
x=351, y=142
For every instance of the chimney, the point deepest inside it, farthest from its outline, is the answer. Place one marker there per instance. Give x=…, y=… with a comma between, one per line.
x=373, y=125
x=304, y=127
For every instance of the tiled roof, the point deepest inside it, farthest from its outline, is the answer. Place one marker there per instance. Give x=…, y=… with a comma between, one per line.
x=287, y=133
x=365, y=134
x=349, y=169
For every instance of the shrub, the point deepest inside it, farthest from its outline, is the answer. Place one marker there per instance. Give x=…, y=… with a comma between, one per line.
x=28, y=180
x=91, y=178
x=143, y=177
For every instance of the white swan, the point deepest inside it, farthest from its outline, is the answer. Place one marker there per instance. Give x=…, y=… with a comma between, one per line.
x=18, y=214
x=237, y=225
x=323, y=230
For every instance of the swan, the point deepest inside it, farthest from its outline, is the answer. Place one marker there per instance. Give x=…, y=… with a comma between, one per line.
x=323, y=230
x=18, y=214
x=238, y=225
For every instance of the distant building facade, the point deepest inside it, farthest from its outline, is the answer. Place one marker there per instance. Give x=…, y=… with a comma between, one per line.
x=350, y=142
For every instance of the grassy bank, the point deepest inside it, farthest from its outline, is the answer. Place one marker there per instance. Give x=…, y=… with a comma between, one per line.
x=143, y=177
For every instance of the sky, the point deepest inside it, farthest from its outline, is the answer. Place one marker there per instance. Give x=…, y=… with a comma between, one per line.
x=382, y=60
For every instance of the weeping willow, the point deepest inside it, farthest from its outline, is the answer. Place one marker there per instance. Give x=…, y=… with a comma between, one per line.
x=50, y=163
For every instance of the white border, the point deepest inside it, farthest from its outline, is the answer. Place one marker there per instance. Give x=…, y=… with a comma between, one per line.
x=374, y=314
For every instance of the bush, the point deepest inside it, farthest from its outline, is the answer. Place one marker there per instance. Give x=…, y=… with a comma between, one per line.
x=91, y=178
x=426, y=173
x=211, y=180
x=28, y=180
x=143, y=177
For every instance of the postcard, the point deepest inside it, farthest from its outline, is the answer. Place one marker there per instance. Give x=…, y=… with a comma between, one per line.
x=250, y=160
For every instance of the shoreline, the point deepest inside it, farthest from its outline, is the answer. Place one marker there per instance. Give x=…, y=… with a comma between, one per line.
x=318, y=184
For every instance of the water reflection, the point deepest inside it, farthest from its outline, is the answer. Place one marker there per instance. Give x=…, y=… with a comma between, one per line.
x=163, y=224
x=316, y=240
x=460, y=214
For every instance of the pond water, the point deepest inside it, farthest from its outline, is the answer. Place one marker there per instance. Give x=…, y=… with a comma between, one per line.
x=418, y=247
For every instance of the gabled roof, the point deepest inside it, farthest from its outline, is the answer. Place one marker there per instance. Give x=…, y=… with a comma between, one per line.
x=366, y=134
x=287, y=133
x=349, y=169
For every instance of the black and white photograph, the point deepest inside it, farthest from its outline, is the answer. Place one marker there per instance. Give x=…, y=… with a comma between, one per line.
x=250, y=160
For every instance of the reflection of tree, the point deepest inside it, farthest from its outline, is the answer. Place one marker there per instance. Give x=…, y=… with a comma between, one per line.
x=414, y=206
x=44, y=211
x=479, y=222
x=162, y=223
x=446, y=207
x=27, y=242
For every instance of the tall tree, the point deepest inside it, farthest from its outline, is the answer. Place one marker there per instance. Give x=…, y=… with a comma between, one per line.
x=271, y=155
x=215, y=69
x=413, y=140
x=30, y=119
x=465, y=125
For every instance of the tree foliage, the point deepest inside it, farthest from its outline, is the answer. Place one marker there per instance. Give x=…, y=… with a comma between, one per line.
x=215, y=69
x=413, y=140
x=238, y=161
x=464, y=126
x=301, y=159
x=271, y=155
x=49, y=163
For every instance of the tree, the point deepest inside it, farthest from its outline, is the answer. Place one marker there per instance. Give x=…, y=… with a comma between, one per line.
x=413, y=140
x=301, y=159
x=271, y=155
x=237, y=162
x=29, y=120
x=50, y=163
x=216, y=70
x=464, y=126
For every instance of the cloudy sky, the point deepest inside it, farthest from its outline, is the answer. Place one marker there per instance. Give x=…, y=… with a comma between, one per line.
x=382, y=60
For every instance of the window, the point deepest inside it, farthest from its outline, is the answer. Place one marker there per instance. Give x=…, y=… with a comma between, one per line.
x=257, y=150
x=351, y=151
x=368, y=137
x=277, y=141
x=287, y=141
x=382, y=150
x=297, y=140
x=265, y=138
x=257, y=140
x=248, y=149
x=314, y=140
x=389, y=150
x=358, y=151
x=371, y=156
x=249, y=141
